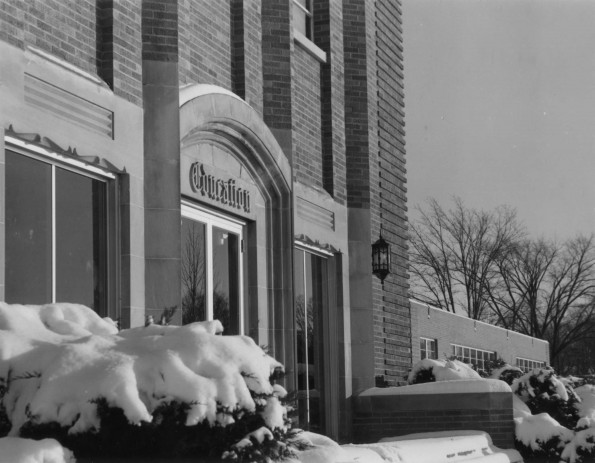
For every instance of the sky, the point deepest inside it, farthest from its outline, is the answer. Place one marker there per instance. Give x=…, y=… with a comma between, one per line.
x=500, y=108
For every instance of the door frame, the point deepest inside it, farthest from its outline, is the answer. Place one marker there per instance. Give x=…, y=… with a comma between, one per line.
x=212, y=219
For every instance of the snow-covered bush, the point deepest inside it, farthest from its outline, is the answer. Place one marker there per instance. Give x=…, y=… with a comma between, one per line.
x=538, y=437
x=428, y=370
x=505, y=372
x=544, y=392
x=17, y=450
x=553, y=419
x=155, y=390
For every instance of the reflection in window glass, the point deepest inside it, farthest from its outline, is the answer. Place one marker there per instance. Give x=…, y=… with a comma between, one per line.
x=302, y=17
x=81, y=251
x=193, y=271
x=211, y=272
x=226, y=280
x=428, y=348
x=56, y=235
x=477, y=357
x=527, y=365
x=28, y=243
x=311, y=300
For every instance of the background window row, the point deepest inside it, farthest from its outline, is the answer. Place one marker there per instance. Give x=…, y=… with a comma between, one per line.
x=477, y=357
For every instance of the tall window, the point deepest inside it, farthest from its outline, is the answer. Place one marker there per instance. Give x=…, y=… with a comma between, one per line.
x=311, y=300
x=303, y=18
x=212, y=269
x=56, y=234
x=428, y=348
x=476, y=357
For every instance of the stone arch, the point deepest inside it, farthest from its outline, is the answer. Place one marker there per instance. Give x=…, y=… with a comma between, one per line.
x=210, y=115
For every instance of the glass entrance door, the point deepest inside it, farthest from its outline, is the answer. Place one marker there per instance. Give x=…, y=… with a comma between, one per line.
x=212, y=269
x=311, y=302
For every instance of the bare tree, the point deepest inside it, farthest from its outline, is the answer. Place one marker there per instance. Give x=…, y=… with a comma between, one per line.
x=547, y=291
x=193, y=276
x=516, y=288
x=454, y=254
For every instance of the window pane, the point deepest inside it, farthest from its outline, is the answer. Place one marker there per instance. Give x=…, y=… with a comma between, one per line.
x=434, y=349
x=28, y=245
x=311, y=302
x=81, y=248
x=301, y=335
x=193, y=271
x=226, y=302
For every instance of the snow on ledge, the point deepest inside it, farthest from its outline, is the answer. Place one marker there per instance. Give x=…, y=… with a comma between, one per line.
x=459, y=386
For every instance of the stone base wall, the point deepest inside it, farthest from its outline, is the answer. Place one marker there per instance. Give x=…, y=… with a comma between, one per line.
x=381, y=416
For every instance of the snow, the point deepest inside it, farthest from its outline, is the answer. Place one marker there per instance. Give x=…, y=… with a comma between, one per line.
x=58, y=359
x=535, y=430
x=580, y=440
x=522, y=385
x=498, y=371
x=586, y=407
x=438, y=447
x=458, y=386
x=443, y=370
x=17, y=450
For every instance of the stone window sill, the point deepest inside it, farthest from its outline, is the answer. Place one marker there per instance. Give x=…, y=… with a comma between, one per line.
x=309, y=46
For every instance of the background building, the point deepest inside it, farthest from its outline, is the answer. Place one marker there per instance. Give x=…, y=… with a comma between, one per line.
x=438, y=334
x=214, y=159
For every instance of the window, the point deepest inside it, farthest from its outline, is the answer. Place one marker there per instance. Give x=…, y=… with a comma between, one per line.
x=311, y=301
x=212, y=269
x=302, y=18
x=476, y=357
x=428, y=348
x=527, y=365
x=56, y=233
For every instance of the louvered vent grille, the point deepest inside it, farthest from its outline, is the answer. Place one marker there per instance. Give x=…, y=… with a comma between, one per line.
x=315, y=214
x=68, y=106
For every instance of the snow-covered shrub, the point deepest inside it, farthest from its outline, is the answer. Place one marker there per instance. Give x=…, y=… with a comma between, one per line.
x=586, y=407
x=428, y=370
x=544, y=392
x=148, y=391
x=538, y=437
x=505, y=372
x=17, y=450
x=552, y=419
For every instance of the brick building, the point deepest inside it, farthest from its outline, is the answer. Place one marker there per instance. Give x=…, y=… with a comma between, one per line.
x=214, y=159
x=436, y=333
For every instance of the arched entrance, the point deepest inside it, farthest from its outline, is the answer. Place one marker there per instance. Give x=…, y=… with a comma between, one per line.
x=236, y=188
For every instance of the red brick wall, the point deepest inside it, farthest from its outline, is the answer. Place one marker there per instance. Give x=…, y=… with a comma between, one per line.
x=64, y=28
x=328, y=35
x=205, y=42
x=392, y=193
x=360, y=114
x=160, y=30
x=307, y=118
x=375, y=165
x=119, y=47
x=277, y=47
x=246, y=51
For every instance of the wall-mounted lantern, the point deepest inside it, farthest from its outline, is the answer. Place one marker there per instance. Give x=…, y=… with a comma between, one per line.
x=381, y=258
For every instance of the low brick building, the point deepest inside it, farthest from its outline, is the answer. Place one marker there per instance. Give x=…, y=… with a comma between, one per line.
x=436, y=333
